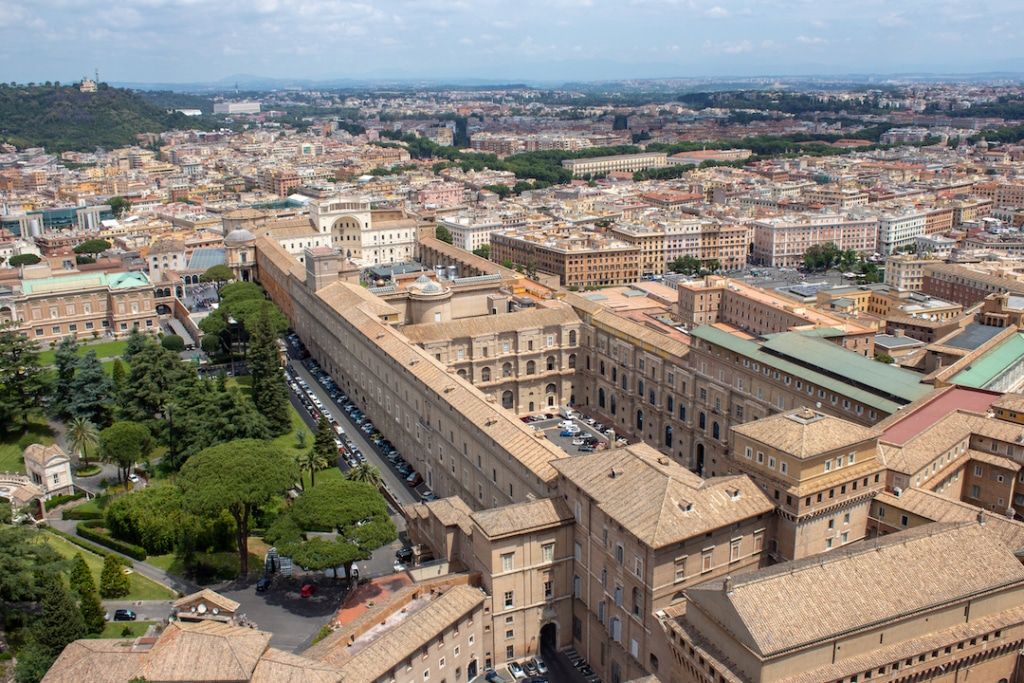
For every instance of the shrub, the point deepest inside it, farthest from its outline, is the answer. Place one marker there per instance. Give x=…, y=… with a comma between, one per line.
x=82, y=513
x=27, y=440
x=60, y=500
x=173, y=342
x=91, y=531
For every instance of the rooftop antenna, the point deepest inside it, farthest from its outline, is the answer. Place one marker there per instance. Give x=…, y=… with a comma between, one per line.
x=96, y=71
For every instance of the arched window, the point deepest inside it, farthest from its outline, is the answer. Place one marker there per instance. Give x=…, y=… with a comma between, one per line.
x=550, y=389
x=668, y=436
x=702, y=421
x=551, y=363
x=682, y=411
x=715, y=431
x=531, y=367
x=572, y=361
x=600, y=398
x=639, y=419
x=462, y=372
x=572, y=337
x=670, y=404
x=506, y=399
x=485, y=375
x=506, y=370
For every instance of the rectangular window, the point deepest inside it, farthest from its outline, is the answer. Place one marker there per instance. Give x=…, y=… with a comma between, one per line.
x=680, y=568
x=705, y=560
x=508, y=599
x=548, y=552
x=734, y=550
x=548, y=591
x=507, y=562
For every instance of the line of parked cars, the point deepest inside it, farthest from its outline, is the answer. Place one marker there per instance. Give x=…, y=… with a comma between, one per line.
x=349, y=451
x=533, y=670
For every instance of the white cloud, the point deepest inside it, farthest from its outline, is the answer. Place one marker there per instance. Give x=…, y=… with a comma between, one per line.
x=811, y=40
x=716, y=12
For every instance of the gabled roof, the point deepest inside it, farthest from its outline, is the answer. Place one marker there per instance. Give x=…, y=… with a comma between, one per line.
x=283, y=667
x=207, y=595
x=522, y=517
x=96, y=661
x=805, y=432
x=659, y=501
x=774, y=610
x=42, y=456
x=204, y=651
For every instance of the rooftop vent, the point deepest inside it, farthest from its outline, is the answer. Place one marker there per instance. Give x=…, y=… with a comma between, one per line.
x=806, y=416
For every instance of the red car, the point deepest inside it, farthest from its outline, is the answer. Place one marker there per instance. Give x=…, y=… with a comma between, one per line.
x=307, y=590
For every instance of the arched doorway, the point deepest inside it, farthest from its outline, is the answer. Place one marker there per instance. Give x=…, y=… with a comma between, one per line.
x=548, y=638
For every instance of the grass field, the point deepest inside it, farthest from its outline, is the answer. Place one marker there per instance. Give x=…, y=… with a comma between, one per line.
x=140, y=588
x=217, y=566
x=10, y=451
x=117, y=629
x=107, y=349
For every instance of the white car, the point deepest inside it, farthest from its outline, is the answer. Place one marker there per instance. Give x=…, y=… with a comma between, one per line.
x=516, y=670
x=542, y=668
x=134, y=478
x=398, y=567
x=578, y=441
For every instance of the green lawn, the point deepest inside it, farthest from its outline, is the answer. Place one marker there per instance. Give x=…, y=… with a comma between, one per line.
x=116, y=629
x=108, y=349
x=140, y=587
x=10, y=451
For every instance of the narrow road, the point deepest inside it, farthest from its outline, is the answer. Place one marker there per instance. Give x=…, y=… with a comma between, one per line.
x=394, y=482
x=175, y=583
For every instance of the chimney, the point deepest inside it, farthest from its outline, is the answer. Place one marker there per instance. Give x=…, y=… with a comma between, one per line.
x=727, y=585
x=981, y=517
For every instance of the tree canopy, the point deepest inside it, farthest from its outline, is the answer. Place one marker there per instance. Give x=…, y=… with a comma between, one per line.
x=92, y=247
x=23, y=260
x=124, y=444
x=269, y=393
x=23, y=383
x=239, y=476
x=218, y=273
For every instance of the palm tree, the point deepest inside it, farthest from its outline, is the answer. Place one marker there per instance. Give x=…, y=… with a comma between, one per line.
x=365, y=472
x=81, y=434
x=311, y=462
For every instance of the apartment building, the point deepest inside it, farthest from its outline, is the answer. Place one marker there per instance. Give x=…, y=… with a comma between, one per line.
x=589, y=166
x=651, y=242
x=835, y=195
x=472, y=231
x=1002, y=194
x=580, y=260
x=782, y=241
x=905, y=272
x=968, y=284
x=47, y=306
x=899, y=230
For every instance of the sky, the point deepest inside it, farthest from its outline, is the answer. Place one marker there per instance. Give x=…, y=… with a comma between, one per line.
x=183, y=41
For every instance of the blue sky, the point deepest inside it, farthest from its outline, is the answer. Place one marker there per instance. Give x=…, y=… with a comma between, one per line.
x=206, y=40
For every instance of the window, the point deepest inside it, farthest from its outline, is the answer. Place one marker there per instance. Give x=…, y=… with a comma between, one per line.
x=440, y=663
x=548, y=591
x=548, y=552
x=904, y=520
x=618, y=596
x=531, y=367
x=485, y=375
x=508, y=599
x=638, y=566
x=510, y=652
x=619, y=553
x=680, y=568
x=510, y=634
x=734, y=550
x=705, y=560
x=828, y=465
x=845, y=537
x=748, y=452
x=616, y=630
x=507, y=562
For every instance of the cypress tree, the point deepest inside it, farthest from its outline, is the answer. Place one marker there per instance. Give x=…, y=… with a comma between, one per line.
x=61, y=621
x=269, y=393
x=113, y=582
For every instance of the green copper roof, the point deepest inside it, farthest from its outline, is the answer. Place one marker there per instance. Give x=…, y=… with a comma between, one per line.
x=78, y=281
x=992, y=364
x=835, y=369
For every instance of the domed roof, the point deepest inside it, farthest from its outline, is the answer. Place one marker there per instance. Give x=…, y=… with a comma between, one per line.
x=423, y=280
x=432, y=288
x=238, y=236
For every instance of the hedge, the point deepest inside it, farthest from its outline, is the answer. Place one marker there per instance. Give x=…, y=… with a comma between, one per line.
x=80, y=514
x=88, y=530
x=60, y=500
x=87, y=545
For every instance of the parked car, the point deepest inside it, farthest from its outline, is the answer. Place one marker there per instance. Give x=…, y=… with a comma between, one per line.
x=404, y=555
x=124, y=615
x=307, y=590
x=530, y=667
x=492, y=676
x=516, y=670
x=398, y=567
x=414, y=479
x=263, y=585
x=542, y=668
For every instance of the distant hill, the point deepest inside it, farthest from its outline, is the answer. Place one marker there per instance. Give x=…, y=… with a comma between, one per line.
x=61, y=118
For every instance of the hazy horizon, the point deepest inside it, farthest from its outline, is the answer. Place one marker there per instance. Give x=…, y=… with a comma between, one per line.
x=194, y=41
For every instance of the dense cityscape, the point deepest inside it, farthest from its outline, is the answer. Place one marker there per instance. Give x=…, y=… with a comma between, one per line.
x=700, y=379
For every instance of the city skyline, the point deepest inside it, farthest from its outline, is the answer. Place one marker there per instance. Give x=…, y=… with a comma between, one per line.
x=176, y=41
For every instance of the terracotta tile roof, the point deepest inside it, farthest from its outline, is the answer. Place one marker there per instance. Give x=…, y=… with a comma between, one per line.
x=650, y=339
x=41, y=455
x=204, y=651
x=805, y=432
x=774, y=610
x=1012, y=402
x=377, y=655
x=659, y=501
x=994, y=460
x=96, y=661
x=938, y=508
x=917, y=452
x=521, y=517
x=207, y=595
x=282, y=667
